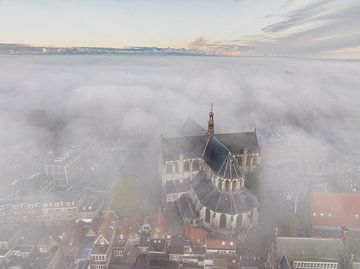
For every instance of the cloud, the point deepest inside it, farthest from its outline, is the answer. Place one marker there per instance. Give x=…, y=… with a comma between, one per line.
x=50, y=102
x=314, y=29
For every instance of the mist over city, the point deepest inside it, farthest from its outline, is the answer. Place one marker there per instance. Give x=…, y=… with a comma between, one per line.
x=175, y=134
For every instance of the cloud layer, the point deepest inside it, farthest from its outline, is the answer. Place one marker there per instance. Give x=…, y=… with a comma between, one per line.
x=54, y=101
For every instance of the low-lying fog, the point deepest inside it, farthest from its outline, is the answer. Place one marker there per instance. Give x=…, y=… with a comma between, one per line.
x=48, y=102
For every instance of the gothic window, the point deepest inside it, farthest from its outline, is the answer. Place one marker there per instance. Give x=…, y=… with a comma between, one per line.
x=207, y=215
x=234, y=185
x=186, y=166
x=222, y=221
x=227, y=185
x=168, y=168
x=195, y=165
x=239, y=221
x=219, y=184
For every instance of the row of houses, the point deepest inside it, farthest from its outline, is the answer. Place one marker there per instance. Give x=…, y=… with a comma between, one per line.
x=51, y=206
x=30, y=246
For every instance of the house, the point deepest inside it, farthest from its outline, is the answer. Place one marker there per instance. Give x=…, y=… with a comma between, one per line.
x=220, y=247
x=194, y=256
x=119, y=248
x=334, y=211
x=51, y=238
x=306, y=252
x=71, y=245
x=158, y=227
x=197, y=236
x=101, y=253
x=176, y=248
x=144, y=243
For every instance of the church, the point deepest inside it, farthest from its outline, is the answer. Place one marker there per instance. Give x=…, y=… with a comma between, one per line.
x=204, y=176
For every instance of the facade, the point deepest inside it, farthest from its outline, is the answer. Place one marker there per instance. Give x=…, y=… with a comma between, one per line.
x=50, y=207
x=205, y=176
x=101, y=252
x=305, y=253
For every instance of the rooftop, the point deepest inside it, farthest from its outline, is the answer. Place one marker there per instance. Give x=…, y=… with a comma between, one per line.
x=335, y=209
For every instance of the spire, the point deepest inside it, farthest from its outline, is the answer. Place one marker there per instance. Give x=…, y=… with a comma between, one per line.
x=211, y=124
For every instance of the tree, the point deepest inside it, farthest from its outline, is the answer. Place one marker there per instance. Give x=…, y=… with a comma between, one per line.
x=290, y=225
x=125, y=199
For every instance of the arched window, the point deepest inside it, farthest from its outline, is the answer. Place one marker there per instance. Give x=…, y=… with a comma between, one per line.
x=239, y=221
x=195, y=165
x=186, y=166
x=227, y=185
x=207, y=215
x=223, y=221
x=168, y=168
x=219, y=184
x=234, y=185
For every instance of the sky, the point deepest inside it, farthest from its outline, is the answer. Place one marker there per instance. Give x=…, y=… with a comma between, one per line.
x=302, y=28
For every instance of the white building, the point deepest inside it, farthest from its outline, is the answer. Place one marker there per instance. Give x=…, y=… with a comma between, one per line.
x=64, y=169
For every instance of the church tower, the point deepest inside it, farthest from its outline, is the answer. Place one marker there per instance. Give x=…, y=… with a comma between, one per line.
x=211, y=124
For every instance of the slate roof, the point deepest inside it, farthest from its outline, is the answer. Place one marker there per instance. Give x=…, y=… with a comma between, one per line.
x=176, y=245
x=177, y=186
x=230, y=169
x=193, y=146
x=190, y=146
x=185, y=207
x=310, y=249
x=228, y=203
x=215, y=154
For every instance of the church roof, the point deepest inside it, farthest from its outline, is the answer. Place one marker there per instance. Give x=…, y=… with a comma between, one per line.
x=220, y=160
x=229, y=169
x=190, y=146
x=185, y=207
x=192, y=127
x=215, y=154
x=193, y=146
x=221, y=202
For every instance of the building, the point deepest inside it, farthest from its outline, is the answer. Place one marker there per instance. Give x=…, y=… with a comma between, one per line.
x=334, y=211
x=205, y=176
x=65, y=169
x=305, y=253
x=101, y=253
x=220, y=247
x=50, y=207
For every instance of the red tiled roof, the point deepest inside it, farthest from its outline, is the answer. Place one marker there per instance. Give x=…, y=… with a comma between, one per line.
x=159, y=221
x=335, y=209
x=196, y=235
x=123, y=229
x=108, y=225
x=220, y=244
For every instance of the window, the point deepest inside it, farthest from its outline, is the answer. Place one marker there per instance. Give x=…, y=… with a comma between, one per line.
x=195, y=165
x=186, y=166
x=222, y=221
x=168, y=168
x=207, y=215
